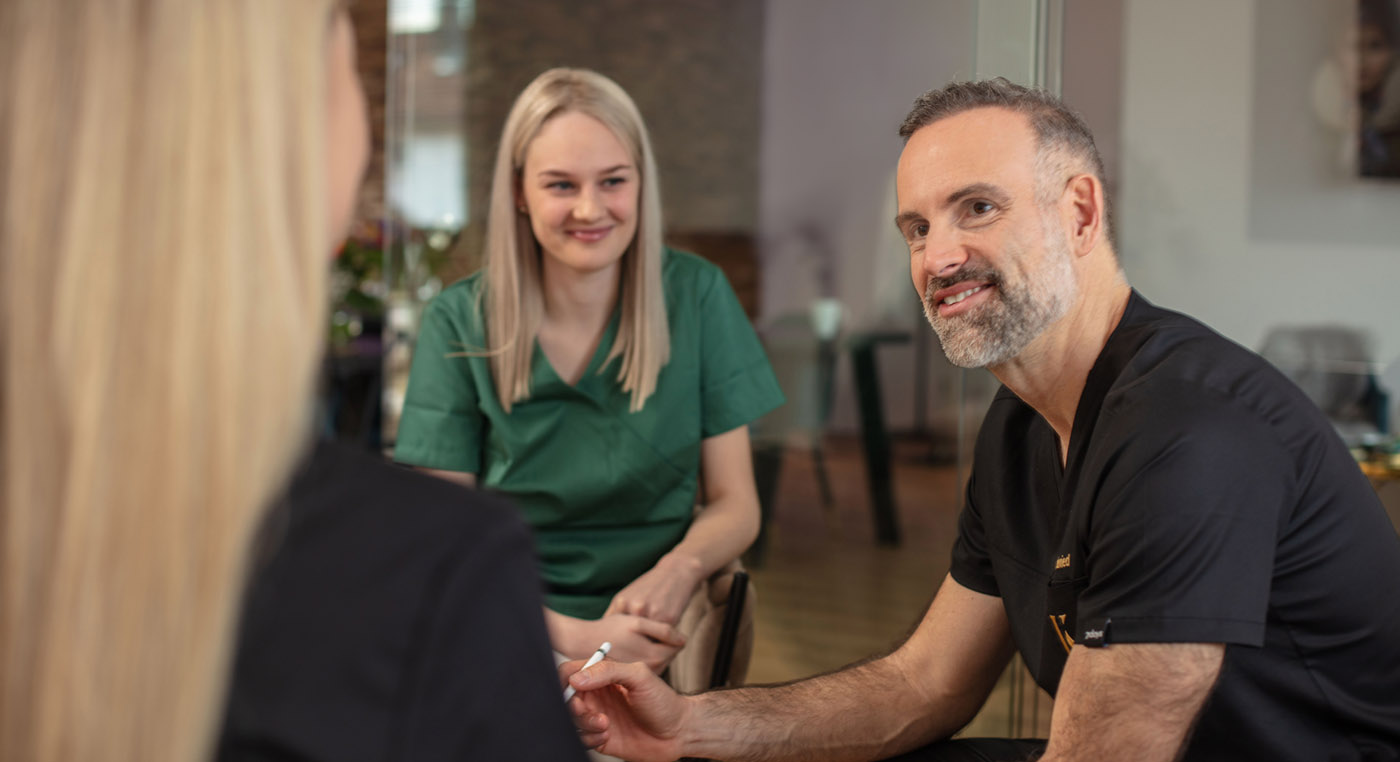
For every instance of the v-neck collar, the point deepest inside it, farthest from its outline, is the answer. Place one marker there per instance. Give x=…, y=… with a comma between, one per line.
x=1101, y=378
x=592, y=383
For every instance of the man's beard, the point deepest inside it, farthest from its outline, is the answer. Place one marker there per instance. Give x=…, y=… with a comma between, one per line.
x=1012, y=318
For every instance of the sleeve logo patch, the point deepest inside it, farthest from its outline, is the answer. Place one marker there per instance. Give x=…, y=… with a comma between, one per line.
x=1096, y=636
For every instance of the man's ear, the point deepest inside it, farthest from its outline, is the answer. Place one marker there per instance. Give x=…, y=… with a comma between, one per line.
x=1083, y=208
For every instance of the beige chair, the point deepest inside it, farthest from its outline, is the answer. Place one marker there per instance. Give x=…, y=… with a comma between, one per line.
x=718, y=626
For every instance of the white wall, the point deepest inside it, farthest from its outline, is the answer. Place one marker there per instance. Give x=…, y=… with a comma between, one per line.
x=1188, y=183
x=838, y=77
x=1092, y=73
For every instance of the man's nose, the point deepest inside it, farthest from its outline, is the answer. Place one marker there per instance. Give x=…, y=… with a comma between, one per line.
x=943, y=258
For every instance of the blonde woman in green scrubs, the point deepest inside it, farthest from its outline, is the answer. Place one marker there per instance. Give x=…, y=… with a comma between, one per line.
x=603, y=381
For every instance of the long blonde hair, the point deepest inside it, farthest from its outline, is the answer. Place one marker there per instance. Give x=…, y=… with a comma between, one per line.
x=162, y=266
x=514, y=300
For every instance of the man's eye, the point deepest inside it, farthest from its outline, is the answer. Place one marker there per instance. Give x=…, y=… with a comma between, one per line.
x=918, y=230
x=981, y=208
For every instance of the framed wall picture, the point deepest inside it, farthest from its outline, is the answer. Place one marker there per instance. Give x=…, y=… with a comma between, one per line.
x=1377, y=83
x=1306, y=179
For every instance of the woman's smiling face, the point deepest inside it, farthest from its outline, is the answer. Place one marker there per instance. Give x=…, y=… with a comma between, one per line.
x=580, y=185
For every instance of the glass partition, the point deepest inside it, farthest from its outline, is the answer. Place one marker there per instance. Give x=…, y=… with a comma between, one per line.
x=426, y=159
x=1021, y=40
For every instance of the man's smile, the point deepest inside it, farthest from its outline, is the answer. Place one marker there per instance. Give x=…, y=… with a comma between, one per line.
x=961, y=297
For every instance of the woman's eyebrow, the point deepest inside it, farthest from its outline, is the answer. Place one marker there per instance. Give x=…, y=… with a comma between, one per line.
x=562, y=173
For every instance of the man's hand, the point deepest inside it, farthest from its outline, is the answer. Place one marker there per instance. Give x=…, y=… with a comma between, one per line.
x=626, y=711
x=662, y=593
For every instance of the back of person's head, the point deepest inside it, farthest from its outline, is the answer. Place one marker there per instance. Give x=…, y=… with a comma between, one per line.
x=513, y=268
x=1064, y=144
x=162, y=258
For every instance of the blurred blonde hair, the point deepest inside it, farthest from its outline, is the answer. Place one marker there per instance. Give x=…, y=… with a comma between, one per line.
x=514, y=299
x=162, y=260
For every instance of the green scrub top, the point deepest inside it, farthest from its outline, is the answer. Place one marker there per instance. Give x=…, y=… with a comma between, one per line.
x=607, y=491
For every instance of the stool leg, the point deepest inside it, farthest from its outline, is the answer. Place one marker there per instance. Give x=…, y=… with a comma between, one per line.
x=877, y=444
x=823, y=483
x=767, y=467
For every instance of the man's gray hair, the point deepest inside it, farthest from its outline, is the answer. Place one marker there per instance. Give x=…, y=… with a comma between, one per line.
x=1062, y=138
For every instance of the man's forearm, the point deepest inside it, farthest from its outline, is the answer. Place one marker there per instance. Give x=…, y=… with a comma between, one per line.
x=925, y=690
x=864, y=712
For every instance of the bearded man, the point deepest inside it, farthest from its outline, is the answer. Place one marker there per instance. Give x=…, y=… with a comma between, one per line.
x=1166, y=529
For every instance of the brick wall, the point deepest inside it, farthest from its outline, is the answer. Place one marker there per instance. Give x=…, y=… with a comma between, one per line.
x=371, y=18
x=692, y=66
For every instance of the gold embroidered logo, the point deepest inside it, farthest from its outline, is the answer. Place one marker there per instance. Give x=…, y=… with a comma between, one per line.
x=1058, y=622
x=1062, y=562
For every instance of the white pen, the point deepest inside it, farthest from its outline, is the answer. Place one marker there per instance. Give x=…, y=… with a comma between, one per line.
x=594, y=659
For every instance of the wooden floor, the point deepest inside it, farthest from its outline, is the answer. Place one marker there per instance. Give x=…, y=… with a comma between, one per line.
x=829, y=596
